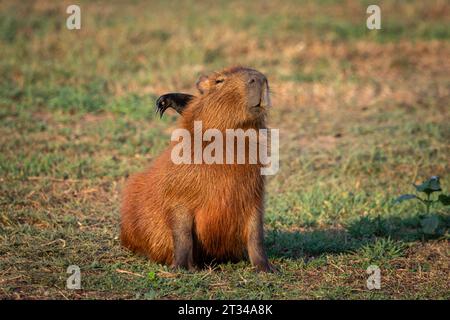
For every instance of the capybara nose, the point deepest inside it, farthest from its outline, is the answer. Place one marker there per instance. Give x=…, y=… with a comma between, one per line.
x=256, y=78
x=257, y=87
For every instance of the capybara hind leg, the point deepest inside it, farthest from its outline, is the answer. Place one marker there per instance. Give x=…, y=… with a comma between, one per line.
x=182, y=228
x=128, y=237
x=255, y=244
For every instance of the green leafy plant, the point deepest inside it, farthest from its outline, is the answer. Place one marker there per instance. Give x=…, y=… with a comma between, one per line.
x=382, y=250
x=151, y=276
x=427, y=187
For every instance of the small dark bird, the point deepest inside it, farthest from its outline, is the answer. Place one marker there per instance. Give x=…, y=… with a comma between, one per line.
x=176, y=101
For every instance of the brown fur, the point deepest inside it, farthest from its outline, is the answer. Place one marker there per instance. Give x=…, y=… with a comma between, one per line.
x=189, y=215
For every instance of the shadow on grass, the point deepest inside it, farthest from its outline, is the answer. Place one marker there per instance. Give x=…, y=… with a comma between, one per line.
x=358, y=233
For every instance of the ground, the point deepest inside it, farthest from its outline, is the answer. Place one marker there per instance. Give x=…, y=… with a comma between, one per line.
x=362, y=115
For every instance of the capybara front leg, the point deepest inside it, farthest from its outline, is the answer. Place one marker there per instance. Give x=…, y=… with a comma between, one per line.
x=255, y=244
x=182, y=230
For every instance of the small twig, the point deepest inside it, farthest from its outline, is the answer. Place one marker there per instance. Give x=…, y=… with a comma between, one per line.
x=65, y=297
x=218, y=284
x=51, y=242
x=129, y=272
x=165, y=274
x=13, y=278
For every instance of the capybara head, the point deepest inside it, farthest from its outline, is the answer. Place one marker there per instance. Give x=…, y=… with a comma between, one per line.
x=240, y=93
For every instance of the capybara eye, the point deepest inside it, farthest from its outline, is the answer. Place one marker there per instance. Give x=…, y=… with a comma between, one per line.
x=220, y=80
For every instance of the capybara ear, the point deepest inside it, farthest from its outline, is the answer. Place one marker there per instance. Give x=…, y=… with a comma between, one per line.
x=176, y=101
x=203, y=84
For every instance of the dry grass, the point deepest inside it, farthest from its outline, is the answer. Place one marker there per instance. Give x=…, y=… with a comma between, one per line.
x=361, y=114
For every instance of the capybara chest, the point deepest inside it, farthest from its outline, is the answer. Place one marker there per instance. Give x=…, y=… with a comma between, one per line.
x=220, y=222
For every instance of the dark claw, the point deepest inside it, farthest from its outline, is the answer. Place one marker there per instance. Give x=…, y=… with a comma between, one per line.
x=176, y=101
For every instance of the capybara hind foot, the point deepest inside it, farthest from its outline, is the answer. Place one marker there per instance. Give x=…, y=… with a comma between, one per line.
x=266, y=267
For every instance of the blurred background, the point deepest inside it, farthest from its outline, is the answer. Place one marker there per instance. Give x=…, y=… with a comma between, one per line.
x=362, y=114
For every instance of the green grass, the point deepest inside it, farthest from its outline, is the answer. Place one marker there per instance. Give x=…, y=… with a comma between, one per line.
x=362, y=115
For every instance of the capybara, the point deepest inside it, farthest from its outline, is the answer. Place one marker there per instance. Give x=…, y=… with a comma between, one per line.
x=190, y=215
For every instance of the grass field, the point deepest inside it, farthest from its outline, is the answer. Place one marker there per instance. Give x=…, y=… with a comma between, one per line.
x=362, y=114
